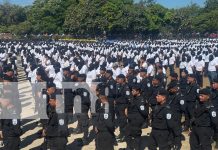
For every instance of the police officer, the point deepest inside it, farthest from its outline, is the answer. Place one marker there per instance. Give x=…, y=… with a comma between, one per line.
x=154, y=89
x=203, y=122
x=145, y=83
x=121, y=103
x=84, y=102
x=215, y=103
x=165, y=130
x=183, y=81
x=104, y=123
x=56, y=129
x=191, y=95
x=10, y=125
x=137, y=113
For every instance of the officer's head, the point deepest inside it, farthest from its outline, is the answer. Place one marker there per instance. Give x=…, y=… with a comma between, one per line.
x=191, y=79
x=66, y=71
x=156, y=81
x=131, y=69
x=184, y=73
x=52, y=100
x=51, y=88
x=174, y=76
x=143, y=73
x=136, y=90
x=204, y=95
x=102, y=70
x=173, y=87
x=161, y=96
x=109, y=74
x=160, y=69
x=81, y=77
x=120, y=79
x=215, y=84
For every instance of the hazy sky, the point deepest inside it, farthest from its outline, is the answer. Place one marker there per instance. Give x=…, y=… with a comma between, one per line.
x=166, y=3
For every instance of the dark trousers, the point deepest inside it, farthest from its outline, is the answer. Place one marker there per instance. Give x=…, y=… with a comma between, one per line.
x=56, y=143
x=161, y=139
x=83, y=124
x=189, y=112
x=121, y=119
x=171, y=69
x=199, y=78
x=104, y=141
x=200, y=138
x=11, y=143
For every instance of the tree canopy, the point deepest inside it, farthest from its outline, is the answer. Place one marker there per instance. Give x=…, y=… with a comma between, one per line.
x=111, y=17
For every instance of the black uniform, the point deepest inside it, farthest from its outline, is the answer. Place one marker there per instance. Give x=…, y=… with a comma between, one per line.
x=152, y=98
x=138, y=110
x=215, y=104
x=191, y=96
x=205, y=118
x=165, y=130
x=83, y=118
x=56, y=130
x=122, y=95
x=11, y=130
x=104, y=123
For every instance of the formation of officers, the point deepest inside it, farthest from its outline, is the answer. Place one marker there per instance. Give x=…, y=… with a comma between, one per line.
x=134, y=92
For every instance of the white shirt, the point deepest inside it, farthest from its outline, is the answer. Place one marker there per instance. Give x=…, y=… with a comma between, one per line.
x=199, y=65
x=150, y=70
x=172, y=60
x=58, y=78
x=212, y=65
x=189, y=67
x=182, y=65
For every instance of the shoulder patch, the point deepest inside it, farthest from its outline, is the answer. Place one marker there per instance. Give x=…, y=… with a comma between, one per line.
x=105, y=116
x=14, y=122
x=111, y=86
x=182, y=102
x=213, y=114
x=85, y=94
x=148, y=85
x=168, y=116
x=198, y=90
x=44, y=96
x=61, y=122
x=142, y=107
x=127, y=93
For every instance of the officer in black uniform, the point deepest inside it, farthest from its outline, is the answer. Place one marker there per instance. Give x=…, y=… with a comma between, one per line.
x=104, y=123
x=145, y=83
x=111, y=84
x=156, y=86
x=131, y=78
x=121, y=103
x=215, y=103
x=85, y=103
x=165, y=131
x=183, y=81
x=137, y=113
x=191, y=96
x=10, y=125
x=56, y=129
x=203, y=122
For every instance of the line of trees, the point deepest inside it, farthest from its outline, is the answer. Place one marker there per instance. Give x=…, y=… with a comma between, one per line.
x=108, y=17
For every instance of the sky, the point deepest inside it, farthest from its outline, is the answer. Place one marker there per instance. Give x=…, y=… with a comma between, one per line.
x=166, y=3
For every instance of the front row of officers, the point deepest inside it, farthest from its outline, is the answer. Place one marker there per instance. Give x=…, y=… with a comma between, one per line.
x=130, y=111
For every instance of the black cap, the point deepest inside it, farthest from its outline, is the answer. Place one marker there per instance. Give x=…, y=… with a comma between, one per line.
x=205, y=91
x=157, y=78
x=82, y=76
x=172, y=85
x=191, y=76
x=110, y=72
x=215, y=80
x=50, y=84
x=162, y=92
x=136, y=86
x=121, y=76
x=66, y=69
x=8, y=78
x=185, y=71
x=143, y=70
x=174, y=75
x=102, y=68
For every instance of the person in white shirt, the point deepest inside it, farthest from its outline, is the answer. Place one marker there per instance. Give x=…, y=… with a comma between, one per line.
x=171, y=63
x=199, y=67
x=212, y=74
x=189, y=66
x=182, y=65
x=151, y=69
